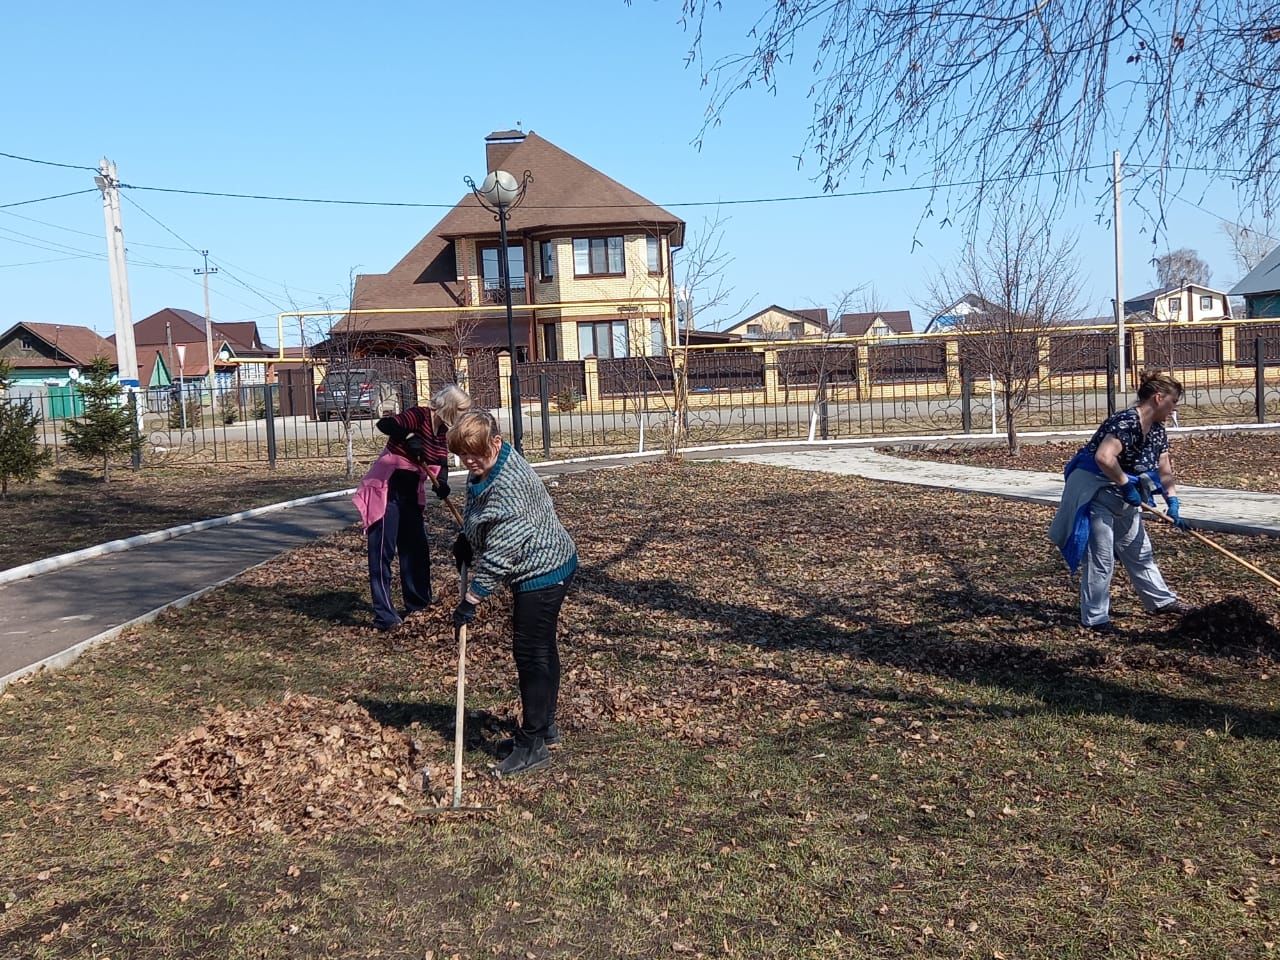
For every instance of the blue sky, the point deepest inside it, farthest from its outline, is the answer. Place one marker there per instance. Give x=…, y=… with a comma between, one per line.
x=391, y=101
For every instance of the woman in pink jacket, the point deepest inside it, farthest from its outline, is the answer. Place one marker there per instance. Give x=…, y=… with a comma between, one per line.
x=391, y=497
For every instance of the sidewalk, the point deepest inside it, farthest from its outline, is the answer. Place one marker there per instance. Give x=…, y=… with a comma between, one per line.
x=1205, y=508
x=51, y=618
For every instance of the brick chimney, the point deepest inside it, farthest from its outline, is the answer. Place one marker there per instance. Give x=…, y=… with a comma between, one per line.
x=498, y=146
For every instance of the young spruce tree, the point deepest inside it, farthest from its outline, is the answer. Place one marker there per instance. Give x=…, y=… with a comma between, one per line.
x=106, y=428
x=21, y=453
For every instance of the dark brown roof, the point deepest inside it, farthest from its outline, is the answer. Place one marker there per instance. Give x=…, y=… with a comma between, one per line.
x=243, y=336
x=816, y=314
x=856, y=324
x=78, y=344
x=565, y=193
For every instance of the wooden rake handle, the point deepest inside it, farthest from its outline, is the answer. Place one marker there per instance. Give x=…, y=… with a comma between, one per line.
x=453, y=509
x=1217, y=546
x=460, y=710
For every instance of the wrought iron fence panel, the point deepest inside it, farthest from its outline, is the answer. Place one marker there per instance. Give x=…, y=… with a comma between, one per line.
x=740, y=370
x=1247, y=344
x=907, y=362
x=1183, y=348
x=565, y=378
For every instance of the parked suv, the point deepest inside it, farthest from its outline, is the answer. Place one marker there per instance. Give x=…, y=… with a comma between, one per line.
x=359, y=390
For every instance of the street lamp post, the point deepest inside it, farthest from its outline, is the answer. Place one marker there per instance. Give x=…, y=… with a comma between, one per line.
x=500, y=193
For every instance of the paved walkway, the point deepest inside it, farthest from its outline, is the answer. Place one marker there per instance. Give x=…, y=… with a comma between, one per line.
x=50, y=618
x=1207, y=508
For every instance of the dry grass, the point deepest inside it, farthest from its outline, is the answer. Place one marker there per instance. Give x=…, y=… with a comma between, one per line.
x=799, y=723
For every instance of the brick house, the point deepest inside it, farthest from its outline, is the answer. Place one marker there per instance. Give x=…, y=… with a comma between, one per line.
x=882, y=323
x=591, y=256
x=778, y=323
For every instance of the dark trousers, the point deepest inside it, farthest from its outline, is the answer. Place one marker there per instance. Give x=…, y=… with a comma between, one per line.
x=399, y=531
x=534, y=617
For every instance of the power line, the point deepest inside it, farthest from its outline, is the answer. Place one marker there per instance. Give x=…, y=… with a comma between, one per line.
x=1218, y=216
x=56, y=196
x=86, y=233
x=49, y=163
x=881, y=191
x=32, y=263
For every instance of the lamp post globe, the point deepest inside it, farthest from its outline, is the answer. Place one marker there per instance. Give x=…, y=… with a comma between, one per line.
x=500, y=188
x=499, y=193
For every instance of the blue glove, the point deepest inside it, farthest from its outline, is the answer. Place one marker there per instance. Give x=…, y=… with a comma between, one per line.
x=1174, y=514
x=1131, y=492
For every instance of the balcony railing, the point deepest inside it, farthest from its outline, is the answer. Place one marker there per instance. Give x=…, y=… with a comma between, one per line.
x=492, y=295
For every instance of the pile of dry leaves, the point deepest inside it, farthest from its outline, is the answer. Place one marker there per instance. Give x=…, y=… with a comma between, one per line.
x=1230, y=622
x=296, y=766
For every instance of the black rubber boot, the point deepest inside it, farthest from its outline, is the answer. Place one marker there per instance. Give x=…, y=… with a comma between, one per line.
x=505, y=746
x=523, y=758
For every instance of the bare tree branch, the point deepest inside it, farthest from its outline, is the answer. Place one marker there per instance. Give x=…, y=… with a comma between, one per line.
x=992, y=92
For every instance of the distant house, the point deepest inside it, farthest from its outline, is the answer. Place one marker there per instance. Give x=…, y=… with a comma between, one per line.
x=161, y=333
x=1261, y=288
x=593, y=253
x=1187, y=303
x=778, y=323
x=952, y=316
x=43, y=353
x=876, y=323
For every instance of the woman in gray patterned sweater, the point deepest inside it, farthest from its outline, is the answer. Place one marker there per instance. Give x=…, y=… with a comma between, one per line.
x=511, y=535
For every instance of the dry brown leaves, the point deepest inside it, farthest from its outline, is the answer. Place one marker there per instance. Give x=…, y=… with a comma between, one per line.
x=297, y=766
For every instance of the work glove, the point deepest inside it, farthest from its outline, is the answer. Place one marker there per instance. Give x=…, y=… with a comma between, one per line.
x=1174, y=514
x=442, y=486
x=1132, y=492
x=463, y=613
x=462, y=552
x=417, y=449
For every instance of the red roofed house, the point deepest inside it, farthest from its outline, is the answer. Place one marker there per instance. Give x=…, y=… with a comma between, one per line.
x=579, y=237
x=159, y=335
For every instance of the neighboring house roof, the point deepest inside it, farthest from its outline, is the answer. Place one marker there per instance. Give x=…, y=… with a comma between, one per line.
x=148, y=360
x=947, y=318
x=818, y=317
x=856, y=324
x=77, y=344
x=816, y=314
x=1264, y=278
x=695, y=337
x=565, y=193
x=243, y=337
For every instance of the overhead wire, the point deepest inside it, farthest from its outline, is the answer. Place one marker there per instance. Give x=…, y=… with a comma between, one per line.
x=56, y=196
x=49, y=163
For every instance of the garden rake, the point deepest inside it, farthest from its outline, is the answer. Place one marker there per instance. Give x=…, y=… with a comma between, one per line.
x=1217, y=546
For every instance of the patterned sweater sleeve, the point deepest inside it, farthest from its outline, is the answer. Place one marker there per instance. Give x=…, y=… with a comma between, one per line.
x=504, y=537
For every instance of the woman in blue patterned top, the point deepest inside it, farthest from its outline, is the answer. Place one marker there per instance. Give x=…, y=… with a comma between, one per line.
x=512, y=537
x=1100, y=515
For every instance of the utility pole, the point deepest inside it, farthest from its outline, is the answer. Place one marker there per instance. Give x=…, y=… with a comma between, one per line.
x=208, y=322
x=126, y=351
x=1121, y=390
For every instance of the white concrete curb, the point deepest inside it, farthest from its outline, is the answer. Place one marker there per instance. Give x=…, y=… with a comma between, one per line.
x=37, y=567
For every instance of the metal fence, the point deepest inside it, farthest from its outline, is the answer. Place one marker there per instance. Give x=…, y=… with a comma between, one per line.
x=743, y=392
